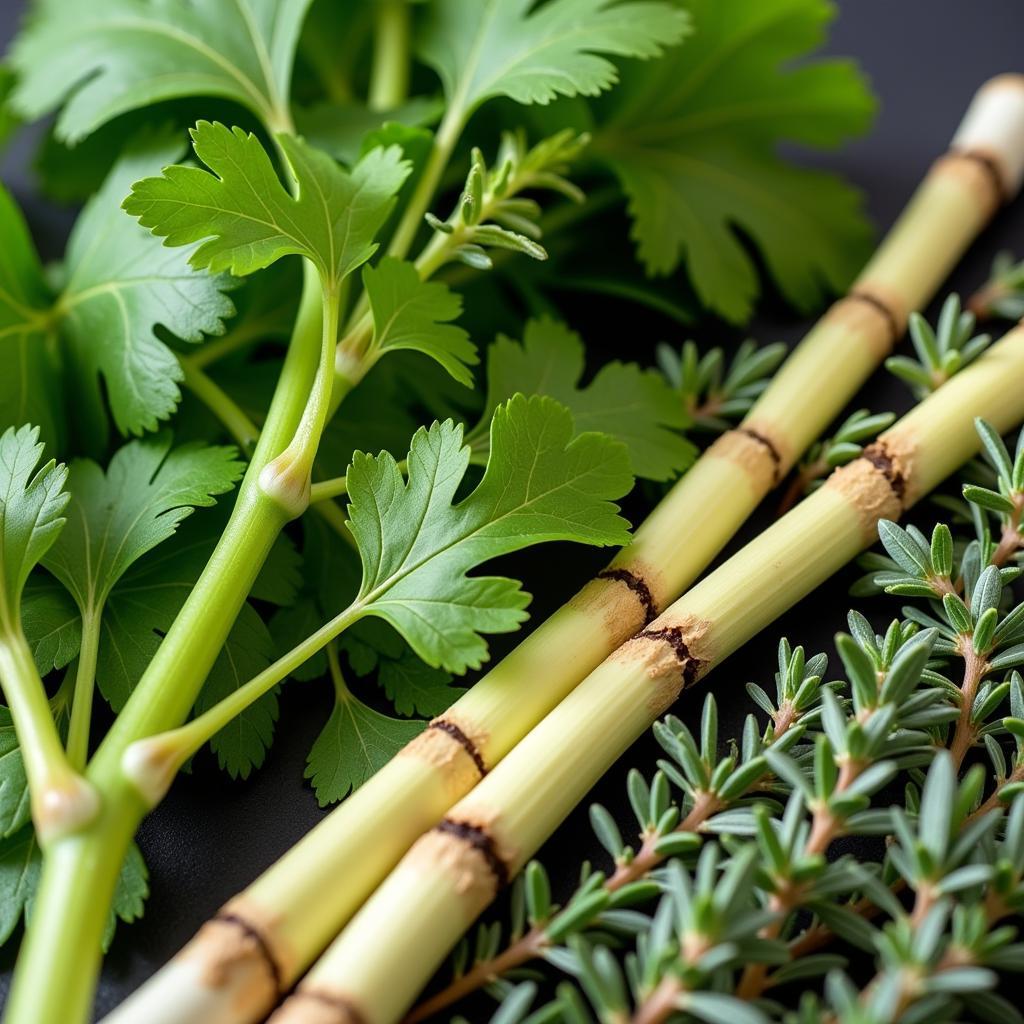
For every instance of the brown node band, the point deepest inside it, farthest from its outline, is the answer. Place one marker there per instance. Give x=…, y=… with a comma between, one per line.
x=481, y=841
x=452, y=730
x=638, y=586
x=259, y=941
x=879, y=306
x=880, y=457
x=990, y=165
x=673, y=636
x=766, y=442
x=346, y=1011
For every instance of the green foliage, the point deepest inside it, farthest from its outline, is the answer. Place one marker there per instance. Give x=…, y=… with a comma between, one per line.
x=114, y=518
x=941, y=351
x=409, y=313
x=120, y=283
x=694, y=142
x=249, y=219
x=1001, y=297
x=633, y=406
x=487, y=48
x=148, y=301
x=119, y=55
x=541, y=483
x=715, y=396
x=31, y=515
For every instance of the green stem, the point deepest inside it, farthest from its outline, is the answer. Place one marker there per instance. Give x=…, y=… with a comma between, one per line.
x=85, y=681
x=61, y=800
x=152, y=763
x=389, y=81
x=221, y=404
x=59, y=960
x=444, y=143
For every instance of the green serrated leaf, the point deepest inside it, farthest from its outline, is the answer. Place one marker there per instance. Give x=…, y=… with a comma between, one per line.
x=121, y=283
x=634, y=406
x=409, y=313
x=32, y=506
x=116, y=517
x=693, y=140
x=119, y=55
x=245, y=217
x=535, y=53
x=541, y=483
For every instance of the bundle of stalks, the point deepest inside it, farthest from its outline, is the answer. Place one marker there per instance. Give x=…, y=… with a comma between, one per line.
x=240, y=963
x=374, y=970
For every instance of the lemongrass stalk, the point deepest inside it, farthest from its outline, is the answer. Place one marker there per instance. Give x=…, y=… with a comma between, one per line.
x=376, y=967
x=299, y=904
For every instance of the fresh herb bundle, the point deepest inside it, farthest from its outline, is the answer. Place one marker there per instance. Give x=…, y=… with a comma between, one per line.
x=300, y=223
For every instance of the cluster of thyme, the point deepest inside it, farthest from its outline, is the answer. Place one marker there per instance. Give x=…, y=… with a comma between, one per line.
x=738, y=902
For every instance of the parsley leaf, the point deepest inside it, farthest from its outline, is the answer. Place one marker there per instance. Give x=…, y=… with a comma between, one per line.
x=541, y=483
x=120, y=284
x=533, y=52
x=32, y=504
x=355, y=743
x=632, y=405
x=249, y=219
x=30, y=384
x=694, y=143
x=116, y=517
x=110, y=56
x=409, y=313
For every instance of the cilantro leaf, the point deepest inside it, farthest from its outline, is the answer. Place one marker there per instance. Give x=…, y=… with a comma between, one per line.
x=14, y=801
x=30, y=383
x=32, y=504
x=409, y=313
x=121, y=283
x=355, y=743
x=20, y=865
x=249, y=219
x=116, y=517
x=632, y=405
x=694, y=143
x=534, y=52
x=541, y=483
x=112, y=56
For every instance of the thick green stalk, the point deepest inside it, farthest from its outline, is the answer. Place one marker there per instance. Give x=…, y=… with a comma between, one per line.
x=59, y=960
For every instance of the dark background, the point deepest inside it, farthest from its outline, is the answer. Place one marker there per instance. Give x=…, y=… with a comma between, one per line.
x=211, y=837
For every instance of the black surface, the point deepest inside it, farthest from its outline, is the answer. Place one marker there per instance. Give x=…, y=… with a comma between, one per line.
x=211, y=837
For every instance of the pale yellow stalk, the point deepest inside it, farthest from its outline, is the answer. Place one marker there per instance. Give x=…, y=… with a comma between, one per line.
x=377, y=966
x=299, y=904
